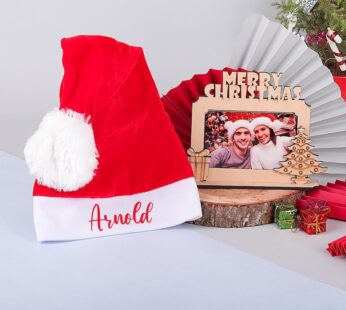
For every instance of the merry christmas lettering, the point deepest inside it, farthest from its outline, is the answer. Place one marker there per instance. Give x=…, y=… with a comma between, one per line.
x=252, y=85
x=105, y=221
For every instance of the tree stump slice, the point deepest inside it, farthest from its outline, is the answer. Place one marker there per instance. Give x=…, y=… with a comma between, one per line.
x=241, y=207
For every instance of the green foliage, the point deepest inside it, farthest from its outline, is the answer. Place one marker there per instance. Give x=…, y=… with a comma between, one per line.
x=326, y=13
x=284, y=8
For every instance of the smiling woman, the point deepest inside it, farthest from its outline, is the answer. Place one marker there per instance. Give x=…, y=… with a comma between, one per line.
x=269, y=149
x=264, y=134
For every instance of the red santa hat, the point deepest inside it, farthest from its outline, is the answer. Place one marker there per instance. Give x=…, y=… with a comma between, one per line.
x=232, y=127
x=108, y=160
x=266, y=121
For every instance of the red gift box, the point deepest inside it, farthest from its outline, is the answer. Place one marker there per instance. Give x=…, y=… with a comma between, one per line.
x=314, y=220
x=337, y=210
x=333, y=193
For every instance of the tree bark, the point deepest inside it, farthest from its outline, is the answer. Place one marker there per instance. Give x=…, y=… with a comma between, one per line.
x=241, y=207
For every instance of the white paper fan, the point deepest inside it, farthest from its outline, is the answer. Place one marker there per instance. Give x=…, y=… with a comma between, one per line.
x=267, y=46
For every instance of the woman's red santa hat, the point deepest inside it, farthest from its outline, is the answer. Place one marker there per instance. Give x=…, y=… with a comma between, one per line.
x=268, y=121
x=108, y=160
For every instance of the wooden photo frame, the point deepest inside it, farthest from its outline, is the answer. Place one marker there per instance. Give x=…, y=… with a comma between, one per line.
x=200, y=156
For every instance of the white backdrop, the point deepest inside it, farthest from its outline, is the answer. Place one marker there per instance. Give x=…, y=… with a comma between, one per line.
x=180, y=38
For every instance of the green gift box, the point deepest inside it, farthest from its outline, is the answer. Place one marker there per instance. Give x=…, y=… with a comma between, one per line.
x=285, y=215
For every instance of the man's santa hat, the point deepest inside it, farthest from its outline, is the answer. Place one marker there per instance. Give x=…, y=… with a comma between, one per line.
x=268, y=121
x=108, y=160
x=232, y=127
x=236, y=121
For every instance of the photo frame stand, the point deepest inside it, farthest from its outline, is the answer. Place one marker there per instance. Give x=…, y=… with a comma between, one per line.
x=226, y=177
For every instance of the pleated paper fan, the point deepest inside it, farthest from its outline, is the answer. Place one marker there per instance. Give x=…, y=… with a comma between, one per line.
x=266, y=46
x=178, y=101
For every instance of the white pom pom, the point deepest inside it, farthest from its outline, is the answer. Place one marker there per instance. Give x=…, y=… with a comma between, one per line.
x=62, y=153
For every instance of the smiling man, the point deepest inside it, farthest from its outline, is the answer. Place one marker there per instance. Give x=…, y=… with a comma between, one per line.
x=237, y=154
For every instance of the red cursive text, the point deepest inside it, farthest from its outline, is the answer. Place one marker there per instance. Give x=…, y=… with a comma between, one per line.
x=135, y=216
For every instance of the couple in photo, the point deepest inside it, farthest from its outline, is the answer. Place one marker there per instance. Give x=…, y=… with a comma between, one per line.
x=252, y=145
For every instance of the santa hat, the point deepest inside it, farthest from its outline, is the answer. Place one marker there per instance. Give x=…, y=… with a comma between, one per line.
x=108, y=161
x=233, y=126
x=266, y=121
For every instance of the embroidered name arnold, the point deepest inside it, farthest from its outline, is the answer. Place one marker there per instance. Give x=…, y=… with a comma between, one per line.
x=106, y=221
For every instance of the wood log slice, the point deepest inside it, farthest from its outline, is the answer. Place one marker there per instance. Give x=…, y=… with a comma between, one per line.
x=241, y=207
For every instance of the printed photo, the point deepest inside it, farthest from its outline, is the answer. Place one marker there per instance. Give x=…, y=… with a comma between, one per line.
x=248, y=140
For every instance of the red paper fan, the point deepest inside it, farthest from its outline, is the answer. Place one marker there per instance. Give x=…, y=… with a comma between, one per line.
x=333, y=193
x=337, y=247
x=178, y=101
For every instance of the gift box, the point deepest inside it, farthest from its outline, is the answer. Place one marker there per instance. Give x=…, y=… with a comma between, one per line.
x=199, y=163
x=285, y=215
x=314, y=220
x=336, y=200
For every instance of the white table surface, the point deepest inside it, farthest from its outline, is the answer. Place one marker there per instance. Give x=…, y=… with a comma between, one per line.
x=299, y=252
x=176, y=268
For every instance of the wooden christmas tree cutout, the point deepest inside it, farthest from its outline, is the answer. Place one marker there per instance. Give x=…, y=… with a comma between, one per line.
x=301, y=161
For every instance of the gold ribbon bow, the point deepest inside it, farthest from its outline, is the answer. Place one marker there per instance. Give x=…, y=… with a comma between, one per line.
x=204, y=153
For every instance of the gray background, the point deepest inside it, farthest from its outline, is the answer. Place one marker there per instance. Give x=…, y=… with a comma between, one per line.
x=180, y=38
